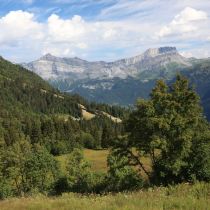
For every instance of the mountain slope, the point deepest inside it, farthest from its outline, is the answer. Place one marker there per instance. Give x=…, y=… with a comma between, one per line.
x=199, y=76
x=32, y=110
x=113, y=91
x=26, y=91
x=118, y=82
x=123, y=81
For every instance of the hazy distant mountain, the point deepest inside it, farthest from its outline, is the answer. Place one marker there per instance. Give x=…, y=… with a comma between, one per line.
x=105, y=81
x=123, y=81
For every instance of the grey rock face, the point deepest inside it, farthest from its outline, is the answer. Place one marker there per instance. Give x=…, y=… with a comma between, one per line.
x=51, y=68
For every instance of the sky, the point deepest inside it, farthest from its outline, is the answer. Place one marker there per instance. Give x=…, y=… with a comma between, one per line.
x=102, y=29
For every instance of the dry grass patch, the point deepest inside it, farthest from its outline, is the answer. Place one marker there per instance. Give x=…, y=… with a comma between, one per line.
x=97, y=158
x=87, y=115
x=114, y=119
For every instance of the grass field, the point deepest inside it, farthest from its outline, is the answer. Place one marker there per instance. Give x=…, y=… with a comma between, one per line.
x=181, y=197
x=97, y=159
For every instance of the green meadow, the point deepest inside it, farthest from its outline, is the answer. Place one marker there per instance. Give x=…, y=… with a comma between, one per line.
x=97, y=159
x=180, y=197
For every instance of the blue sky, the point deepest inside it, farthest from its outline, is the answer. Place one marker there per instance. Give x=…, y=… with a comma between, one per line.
x=102, y=29
x=64, y=8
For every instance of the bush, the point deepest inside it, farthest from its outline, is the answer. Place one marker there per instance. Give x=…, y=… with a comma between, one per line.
x=88, y=141
x=41, y=170
x=59, y=148
x=121, y=176
x=60, y=186
x=79, y=175
x=199, y=159
x=5, y=190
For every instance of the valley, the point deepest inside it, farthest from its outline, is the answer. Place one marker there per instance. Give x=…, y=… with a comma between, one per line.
x=104, y=105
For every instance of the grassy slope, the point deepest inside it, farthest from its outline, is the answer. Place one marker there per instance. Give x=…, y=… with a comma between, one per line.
x=182, y=197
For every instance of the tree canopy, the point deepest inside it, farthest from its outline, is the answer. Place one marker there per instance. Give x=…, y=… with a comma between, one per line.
x=169, y=128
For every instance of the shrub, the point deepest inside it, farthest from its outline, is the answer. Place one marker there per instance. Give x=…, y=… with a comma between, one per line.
x=88, y=141
x=5, y=190
x=121, y=176
x=41, y=170
x=79, y=175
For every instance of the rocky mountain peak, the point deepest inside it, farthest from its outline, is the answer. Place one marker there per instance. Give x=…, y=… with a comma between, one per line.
x=150, y=54
x=153, y=52
x=47, y=56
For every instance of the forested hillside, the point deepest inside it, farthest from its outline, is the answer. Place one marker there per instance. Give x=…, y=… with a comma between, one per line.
x=30, y=108
x=163, y=141
x=199, y=76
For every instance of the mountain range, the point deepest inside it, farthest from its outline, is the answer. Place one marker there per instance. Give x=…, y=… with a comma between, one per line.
x=123, y=81
x=54, y=68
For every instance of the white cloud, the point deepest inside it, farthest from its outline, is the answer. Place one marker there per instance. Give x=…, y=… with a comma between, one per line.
x=24, y=38
x=57, y=36
x=65, y=30
x=188, y=20
x=19, y=25
x=189, y=14
x=186, y=54
x=82, y=45
x=63, y=51
x=78, y=35
x=198, y=53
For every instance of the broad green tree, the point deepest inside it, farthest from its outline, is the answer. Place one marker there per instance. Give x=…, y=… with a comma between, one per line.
x=41, y=170
x=121, y=176
x=13, y=165
x=79, y=176
x=24, y=169
x=165, y=128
